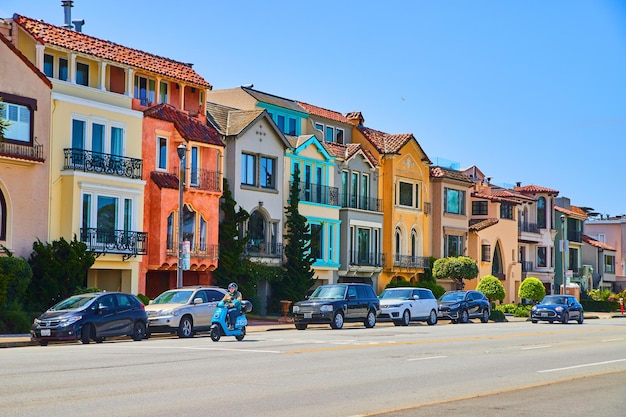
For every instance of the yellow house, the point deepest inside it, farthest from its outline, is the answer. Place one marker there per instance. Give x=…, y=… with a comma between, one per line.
x=99, y=92
x=404, y=186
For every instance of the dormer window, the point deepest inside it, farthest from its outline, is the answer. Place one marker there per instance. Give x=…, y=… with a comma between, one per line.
x=82, y=74
x=145, y=90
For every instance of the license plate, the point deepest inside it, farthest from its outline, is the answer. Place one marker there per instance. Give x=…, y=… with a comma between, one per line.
x=45, y=332
x=308, y=315
x=544, y=314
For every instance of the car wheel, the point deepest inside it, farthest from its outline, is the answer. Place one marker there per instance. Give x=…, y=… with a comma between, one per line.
x=581, y=318
x=370, y=320
x=337, y=322
x=534, y=321
x=99, y=339
x=406, y=318
x=432, y=318
x=565, y=318
x=185, y=328
x=215, y=333
x=85, y=334
x=242, y=335
x=43, y=343
x=301, y=326
x=139, y=331
x=464, y=316
x=454, y=321
x=485, y=316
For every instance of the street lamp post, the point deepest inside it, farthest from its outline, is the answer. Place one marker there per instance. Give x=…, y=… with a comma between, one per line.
x=563, y=250
x=600, y=268
x=181, y=150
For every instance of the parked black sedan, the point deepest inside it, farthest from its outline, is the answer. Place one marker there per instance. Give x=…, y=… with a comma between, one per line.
x=460, y=306
x=562, y=308
x=92, y=316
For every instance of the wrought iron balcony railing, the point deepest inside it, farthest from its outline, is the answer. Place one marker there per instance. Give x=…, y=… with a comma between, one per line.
x=360, y=202
x=124, y=242
x=527, y=266
x=366, y=258
x=22, y=151
x=527, y=227
x=264, y=250
x=317, y=193
x=409, y=261
x=102, y=163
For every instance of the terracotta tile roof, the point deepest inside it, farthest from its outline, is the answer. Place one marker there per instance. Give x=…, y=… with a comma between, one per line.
x=485, y=194
x=386, y=143
x=591, y=241
x=573, y=211
x=506, y=193
x=476, y=225
x=346, y=152
x=164, y=180
x=536, y=189
x=325, y=113
x=190, y=128
x=29, y=64
x=439, y=172
x=46, y=33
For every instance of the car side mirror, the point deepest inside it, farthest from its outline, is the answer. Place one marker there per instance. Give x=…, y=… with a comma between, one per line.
x=351, y=296
x=416, y=297
x=103, y=308
x=197, y=300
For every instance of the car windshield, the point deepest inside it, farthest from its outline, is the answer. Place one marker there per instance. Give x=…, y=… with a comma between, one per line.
x=554, y=300
x=334, y=292
x=173, y=297
x=452, y=297
x=395, y=294
x=74, y=303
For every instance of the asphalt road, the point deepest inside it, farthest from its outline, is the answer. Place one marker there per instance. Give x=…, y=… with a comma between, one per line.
x=493, y=369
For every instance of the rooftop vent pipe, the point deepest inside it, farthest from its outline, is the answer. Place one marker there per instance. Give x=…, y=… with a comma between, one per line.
x=67, y=9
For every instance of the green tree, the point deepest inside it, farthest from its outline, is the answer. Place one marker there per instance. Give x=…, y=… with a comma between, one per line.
x=532, y=288
x=492, y=288
x=457, y=268
x=299, y=275
x=232, y=245
x=58, y=269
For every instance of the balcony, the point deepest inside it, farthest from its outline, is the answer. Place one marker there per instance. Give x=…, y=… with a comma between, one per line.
x=102, y=163
x=358, y=258
x=527, y=227
x=202, y=251
x=527, y=266
x=317, y=193
x=203, y=179
x=107, y=241
x=411, y=262
x=575, y=236
x=361, y=203
x=264, y=250
x=19, y=151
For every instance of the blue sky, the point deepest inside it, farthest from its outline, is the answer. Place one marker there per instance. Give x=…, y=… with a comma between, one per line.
x=531, y=91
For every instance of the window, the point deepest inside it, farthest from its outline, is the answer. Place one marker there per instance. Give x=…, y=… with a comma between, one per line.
x=453, y=201
x=20, y=118
x=398, y=242
x=292, y=127
x=541, y=212
x=344, y=189
x=480, y=208
x=280, y=122
x=408, y=194
x=609, y=264
x=365, y=190
x=542, y=256
x=189, y=226
x=485, y=253
x=48, y=65
x=202, y=234
x=109, y=213
x=169, y=242
x=329, y=134
x=91, y=134
x=248, y=169
x=63, y=72
x=363, y=246
x=195, y=164
x=573, y=259
x=319, y=127
x=506, y=211
x=144, y=90
x=161, y=152
x=163, y=92
x=268, y=175
x=354, y=187
x=82, y=74
x=256, y=231
x=453, y=245
x=339, y=137
x=317, y=243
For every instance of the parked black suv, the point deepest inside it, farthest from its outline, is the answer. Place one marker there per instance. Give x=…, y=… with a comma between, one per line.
x=460, y=306
x=335, y=304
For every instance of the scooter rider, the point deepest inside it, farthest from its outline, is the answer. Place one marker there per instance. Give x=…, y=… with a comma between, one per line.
x=233, y=301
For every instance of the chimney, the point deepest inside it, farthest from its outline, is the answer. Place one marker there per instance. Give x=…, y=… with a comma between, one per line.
x=78, y=24
x=519, y=184
x=67, y=9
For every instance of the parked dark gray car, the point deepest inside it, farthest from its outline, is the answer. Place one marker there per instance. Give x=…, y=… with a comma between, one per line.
x=336, y=304
x=460, y=306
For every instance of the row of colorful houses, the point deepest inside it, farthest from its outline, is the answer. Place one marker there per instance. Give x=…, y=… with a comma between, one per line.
x=92, y=152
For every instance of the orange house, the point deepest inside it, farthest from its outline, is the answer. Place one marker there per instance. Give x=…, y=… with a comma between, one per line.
x=164, y=129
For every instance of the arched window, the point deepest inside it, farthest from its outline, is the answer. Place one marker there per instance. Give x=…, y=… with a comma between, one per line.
x=497, y=267
x=541, y=212
x=170, y=232
x=3, y=217
x=189, y=226
x=413, y=247
x=256, y=231
x=398, y=241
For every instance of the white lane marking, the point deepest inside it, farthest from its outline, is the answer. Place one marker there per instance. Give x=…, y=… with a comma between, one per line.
x=536, y=347
x=581, y=366
x=613, y=340
x=427, y=358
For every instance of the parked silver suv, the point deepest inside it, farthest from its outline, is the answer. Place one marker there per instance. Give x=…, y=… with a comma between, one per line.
x=184, y=311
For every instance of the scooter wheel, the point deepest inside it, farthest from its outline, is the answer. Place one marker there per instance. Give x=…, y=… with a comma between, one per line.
x=242, y=335
x=215, y=333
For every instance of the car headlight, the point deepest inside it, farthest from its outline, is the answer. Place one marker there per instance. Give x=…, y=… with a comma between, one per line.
x=559, y=309
x=69, y=320
x=296, y=309
x=533, y=308
x=327, y=308
x=392, y=306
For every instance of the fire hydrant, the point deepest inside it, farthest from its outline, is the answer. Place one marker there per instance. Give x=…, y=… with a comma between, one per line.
x=621, y=305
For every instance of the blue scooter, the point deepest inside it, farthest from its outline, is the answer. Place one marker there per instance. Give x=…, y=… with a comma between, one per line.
x=219, y=323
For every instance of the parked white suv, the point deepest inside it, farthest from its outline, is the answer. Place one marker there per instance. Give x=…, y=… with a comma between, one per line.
x=184, y=311
x=405, y=304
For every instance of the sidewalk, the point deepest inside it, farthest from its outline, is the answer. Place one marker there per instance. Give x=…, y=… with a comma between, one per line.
x=266, y=325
